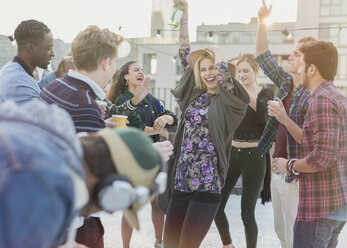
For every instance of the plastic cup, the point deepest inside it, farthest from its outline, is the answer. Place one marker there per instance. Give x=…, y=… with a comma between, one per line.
x=120, y=120
x=274, y=102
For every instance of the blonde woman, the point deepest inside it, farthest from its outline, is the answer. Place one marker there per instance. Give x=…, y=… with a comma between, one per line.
x=212, y=104
x=246, y=159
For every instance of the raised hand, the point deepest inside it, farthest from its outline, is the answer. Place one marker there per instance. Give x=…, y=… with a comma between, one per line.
x=218, y=53
x=184, y=2
x=264, y=12
x=183, y=42
x=142, y=90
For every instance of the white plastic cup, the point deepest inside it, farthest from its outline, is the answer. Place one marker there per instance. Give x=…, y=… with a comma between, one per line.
x=274, y=102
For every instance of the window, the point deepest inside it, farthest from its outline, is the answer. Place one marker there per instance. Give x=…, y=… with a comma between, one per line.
x=150, y=64
x=333, y=7
x=234, y=37
x=331, y=32
x=342, y=68
x=247, y=38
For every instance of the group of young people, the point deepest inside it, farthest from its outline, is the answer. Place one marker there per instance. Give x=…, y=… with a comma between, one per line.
x=227, y=128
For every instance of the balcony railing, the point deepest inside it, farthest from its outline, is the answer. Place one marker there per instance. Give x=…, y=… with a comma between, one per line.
x=166, y=98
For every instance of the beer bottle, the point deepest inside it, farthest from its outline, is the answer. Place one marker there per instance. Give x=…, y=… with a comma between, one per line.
x=176, y=15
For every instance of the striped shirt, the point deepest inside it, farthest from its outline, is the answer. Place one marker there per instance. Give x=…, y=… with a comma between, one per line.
x=324, y=143
x=300, y=96
x=76, y=93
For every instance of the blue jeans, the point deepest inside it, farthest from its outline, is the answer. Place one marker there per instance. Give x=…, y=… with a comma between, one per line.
x=317, y=234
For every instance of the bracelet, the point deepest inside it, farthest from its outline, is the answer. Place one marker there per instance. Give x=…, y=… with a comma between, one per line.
x=287, y=166
x=290, y=167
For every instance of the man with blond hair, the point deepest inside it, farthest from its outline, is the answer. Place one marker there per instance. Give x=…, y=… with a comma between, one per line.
x=94, y=52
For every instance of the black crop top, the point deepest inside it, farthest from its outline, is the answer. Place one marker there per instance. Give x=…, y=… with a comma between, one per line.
x=253, y=123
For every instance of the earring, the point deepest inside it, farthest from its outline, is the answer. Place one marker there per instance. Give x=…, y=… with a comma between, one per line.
x=126, y=82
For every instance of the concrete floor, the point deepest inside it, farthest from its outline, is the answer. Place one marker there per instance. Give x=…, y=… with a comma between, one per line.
x=144, y=238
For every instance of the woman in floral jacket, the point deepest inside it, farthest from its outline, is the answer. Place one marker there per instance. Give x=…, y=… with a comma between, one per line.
x=213, y=105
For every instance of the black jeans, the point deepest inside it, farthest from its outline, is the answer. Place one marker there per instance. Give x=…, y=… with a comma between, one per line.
x=189, y=218
x=250, y=163
x=91, y=234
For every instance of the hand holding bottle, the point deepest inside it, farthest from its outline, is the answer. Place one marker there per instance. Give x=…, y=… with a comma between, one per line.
x=179, y=8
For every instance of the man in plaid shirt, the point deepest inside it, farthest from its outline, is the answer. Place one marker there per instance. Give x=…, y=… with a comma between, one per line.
x=284, y=127
x=322, y=211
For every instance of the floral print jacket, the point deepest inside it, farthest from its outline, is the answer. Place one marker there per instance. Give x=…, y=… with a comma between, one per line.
x=197, y=163
x=224, y=114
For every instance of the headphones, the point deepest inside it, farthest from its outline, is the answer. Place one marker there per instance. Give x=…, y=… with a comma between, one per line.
x=116, y=192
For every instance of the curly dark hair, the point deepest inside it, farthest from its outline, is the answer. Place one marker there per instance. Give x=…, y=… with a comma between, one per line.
x=118, y=85
x=30, y=31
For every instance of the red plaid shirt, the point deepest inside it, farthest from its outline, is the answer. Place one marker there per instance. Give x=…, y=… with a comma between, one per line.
x=324, y=144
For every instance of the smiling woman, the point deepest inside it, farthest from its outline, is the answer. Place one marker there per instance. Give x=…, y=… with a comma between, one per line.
x=245, y=158
x=212, y=103
x=149, y=116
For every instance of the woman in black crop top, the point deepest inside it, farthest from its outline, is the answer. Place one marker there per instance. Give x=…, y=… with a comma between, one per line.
x=246, y=159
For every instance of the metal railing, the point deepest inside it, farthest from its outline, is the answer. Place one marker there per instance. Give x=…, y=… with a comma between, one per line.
x=167, y=99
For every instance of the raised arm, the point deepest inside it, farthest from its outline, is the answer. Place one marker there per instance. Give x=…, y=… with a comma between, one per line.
x=128, y=107
x=261, y=45
x=263, y=56
x=184, y=41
